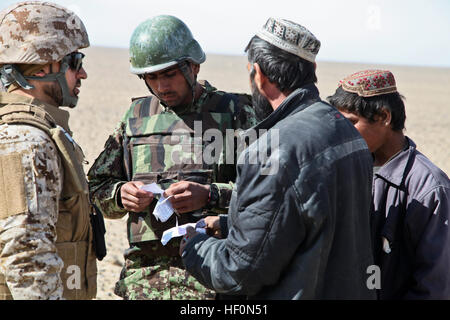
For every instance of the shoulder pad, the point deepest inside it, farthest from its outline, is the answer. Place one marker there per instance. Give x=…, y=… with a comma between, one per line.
x=222, y=102
x=27, y=114
x=138, y=98
x=244, y=99
x=144, y=107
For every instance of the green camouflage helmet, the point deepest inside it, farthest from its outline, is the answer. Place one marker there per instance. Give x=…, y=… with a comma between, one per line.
x=161, y=42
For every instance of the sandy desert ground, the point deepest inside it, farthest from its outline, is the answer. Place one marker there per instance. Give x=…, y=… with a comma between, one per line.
x=106, y=95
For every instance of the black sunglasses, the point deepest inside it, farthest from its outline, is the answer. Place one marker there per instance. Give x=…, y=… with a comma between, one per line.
x=75, y=60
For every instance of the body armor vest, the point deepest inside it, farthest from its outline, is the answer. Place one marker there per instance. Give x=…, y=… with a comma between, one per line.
x=165, y=147
x=73, y=228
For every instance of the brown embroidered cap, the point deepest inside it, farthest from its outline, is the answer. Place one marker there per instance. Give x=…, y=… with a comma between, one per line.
x=291, y=37
x=369, y=83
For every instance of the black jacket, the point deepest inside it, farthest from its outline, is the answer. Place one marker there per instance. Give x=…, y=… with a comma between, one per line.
x=302, y=230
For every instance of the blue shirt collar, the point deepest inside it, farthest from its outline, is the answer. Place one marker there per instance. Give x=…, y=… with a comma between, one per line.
x=394, y=170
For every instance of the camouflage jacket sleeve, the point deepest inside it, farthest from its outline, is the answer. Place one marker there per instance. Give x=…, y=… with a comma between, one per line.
x=32, y=183
x=107, y=175
x=244, y=119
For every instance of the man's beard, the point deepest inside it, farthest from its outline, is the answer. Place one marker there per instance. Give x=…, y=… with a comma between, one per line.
x=262, y=106
x=54, y=90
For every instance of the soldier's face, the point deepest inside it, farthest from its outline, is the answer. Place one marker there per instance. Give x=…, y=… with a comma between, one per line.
x=170, y=86
x=74, y=75
x=73, y=78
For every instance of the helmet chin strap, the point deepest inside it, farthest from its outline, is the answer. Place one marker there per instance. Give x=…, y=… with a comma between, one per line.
x=186, y=69
x=68, y=100
x=10, y=74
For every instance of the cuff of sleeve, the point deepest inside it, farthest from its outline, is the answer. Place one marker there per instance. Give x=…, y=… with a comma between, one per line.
x=117, y=198
x=225, y=190
x=198, y=238
x=223, y=221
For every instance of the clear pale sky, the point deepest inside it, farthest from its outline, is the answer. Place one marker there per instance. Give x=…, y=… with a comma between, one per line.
x=407, y=32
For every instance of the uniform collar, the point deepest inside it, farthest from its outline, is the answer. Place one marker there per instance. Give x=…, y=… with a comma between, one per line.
x=60, y=116
x=394, y=170
x=298, y=100
x=198, y=104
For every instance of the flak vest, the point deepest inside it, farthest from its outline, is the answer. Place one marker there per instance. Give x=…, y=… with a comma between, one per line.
x=73, y=228
x=165, y=147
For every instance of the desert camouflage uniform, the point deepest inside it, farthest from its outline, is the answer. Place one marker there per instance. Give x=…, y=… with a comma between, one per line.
x=45, y=233
x=44, y=217
x=144, y=147
x=31, y=265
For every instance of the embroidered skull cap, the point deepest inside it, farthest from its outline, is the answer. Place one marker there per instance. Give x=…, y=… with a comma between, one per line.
x=291, y=37
x=369, y=83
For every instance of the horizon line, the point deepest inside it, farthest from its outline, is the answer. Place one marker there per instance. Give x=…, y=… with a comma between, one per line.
x=318, y=60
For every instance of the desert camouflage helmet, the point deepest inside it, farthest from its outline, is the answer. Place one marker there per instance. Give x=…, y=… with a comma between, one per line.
x=35, y=32
x=38, y=33
x=161, y=42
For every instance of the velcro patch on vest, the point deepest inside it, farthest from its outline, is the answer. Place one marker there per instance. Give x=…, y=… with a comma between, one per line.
x=12, y=186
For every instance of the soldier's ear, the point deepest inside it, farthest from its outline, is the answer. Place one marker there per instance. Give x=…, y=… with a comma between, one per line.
x=195, y=69
x=40, y=73
x=47, y=69
x=386, y=116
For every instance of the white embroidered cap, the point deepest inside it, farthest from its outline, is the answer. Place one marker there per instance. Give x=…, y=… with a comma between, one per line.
x=291, y=37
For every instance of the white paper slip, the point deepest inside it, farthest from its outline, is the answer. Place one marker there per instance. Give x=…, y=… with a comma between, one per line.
x=163, y=209
x=178, y=231
x=153, y=188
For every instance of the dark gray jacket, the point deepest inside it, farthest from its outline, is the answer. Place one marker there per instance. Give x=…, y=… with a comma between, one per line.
x=411, y=211
x=303, y=232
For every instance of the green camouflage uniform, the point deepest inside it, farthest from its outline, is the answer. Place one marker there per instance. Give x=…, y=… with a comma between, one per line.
x=146, y=146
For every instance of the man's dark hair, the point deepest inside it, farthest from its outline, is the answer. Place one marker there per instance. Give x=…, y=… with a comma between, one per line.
x=371, y=107
x=286, y=70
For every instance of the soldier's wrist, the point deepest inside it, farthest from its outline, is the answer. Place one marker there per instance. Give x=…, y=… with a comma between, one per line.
x=213, y=196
